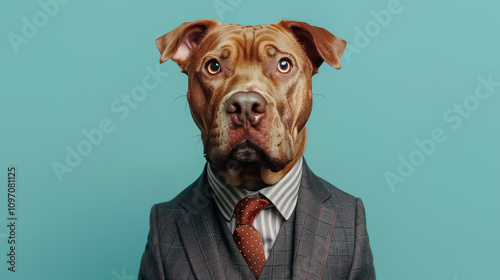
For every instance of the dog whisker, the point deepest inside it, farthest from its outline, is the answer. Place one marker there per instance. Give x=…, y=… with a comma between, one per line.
x=197, y=143
x=198, y=135
x=314, y=99
x=320, y=95
x=175, y=99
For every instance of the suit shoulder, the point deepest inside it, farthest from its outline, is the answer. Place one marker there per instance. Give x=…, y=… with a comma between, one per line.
x=181, y=203
x=321, y=183
x=336, y=192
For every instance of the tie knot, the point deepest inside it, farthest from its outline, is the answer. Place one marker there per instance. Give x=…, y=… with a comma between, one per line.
x=248, y=208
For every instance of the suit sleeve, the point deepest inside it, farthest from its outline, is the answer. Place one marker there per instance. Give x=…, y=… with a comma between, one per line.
x=362, y=265
x=151, y=265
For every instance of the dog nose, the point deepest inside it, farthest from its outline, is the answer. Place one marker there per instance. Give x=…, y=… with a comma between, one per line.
x=246, y=108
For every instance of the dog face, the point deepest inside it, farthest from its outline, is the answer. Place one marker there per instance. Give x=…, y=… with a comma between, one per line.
x=250, y=86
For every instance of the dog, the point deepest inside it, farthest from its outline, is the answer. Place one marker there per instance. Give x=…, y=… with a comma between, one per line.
x=250, y=95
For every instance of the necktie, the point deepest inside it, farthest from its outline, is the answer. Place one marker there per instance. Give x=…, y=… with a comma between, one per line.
x=247, y=238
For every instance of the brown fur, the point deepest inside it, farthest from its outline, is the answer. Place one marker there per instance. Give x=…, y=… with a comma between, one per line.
x=248, y=56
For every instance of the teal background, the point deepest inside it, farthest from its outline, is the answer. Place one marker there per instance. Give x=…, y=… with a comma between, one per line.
x=442, y=222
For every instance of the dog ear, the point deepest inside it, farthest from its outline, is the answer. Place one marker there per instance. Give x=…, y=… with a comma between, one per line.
x=319, y=44
x=179, y=43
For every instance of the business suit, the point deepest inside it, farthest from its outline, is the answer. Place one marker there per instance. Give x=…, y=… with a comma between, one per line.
x=187, y=239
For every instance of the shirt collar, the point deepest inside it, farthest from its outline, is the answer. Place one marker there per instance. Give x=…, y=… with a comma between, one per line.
x=283, y=195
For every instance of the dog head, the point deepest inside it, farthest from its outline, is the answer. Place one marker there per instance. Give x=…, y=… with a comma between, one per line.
x=250, y=87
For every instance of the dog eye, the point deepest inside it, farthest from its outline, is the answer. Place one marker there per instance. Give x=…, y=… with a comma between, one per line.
x=284, y=66
x=213, y=67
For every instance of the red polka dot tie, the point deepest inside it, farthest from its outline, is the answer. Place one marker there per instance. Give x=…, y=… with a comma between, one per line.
x=247, y=238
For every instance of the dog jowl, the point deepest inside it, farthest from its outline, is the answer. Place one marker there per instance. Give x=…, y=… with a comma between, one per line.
x=250, y=91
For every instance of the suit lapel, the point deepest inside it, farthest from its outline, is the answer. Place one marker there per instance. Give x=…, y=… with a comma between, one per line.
x=198, y=232
x=313, y=227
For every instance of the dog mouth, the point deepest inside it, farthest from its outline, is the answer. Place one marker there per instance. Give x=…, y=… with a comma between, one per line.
x=249, y=152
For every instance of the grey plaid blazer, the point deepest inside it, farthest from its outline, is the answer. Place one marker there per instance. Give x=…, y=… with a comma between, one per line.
x=188, y=240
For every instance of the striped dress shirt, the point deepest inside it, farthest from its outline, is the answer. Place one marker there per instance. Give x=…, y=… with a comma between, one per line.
x=282, y=195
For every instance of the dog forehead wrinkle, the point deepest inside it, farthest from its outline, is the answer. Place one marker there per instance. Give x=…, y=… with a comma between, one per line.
x=266, y=47
x=271, y=51
x=249, y=41
x=284, y=42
